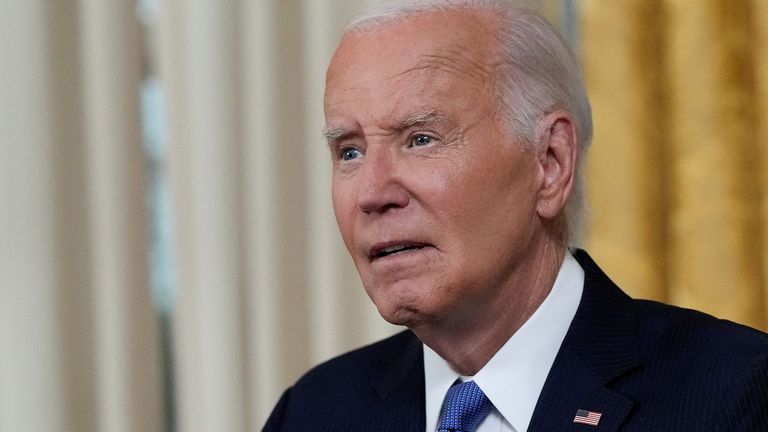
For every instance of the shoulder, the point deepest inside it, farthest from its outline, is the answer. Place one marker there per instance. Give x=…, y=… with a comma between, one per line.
x=361, y=365
x=682, y=332
x=680, y=367
x=345, y=393
x=662, y=331
x=713, y=372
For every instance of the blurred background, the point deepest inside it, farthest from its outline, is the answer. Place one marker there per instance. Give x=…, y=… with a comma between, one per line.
x=169, y=259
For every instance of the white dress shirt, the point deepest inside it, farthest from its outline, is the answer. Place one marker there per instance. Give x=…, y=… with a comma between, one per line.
x=513, y=378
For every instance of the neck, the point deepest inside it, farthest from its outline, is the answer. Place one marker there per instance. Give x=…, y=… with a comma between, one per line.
x=468, y=342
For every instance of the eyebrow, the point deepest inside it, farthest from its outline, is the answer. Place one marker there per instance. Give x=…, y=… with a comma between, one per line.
x=418, y=118
x=335, y=133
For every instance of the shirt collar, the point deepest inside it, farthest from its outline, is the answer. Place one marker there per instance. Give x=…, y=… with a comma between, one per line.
x=513, y=378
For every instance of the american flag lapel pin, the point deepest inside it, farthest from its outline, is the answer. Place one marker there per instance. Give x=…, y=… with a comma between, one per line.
x=587, y=417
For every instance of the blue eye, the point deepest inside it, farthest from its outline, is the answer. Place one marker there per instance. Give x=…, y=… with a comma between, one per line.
x=421, y=140
x=349, y=153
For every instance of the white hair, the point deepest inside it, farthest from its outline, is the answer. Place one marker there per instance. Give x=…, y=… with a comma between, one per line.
x=539, y=75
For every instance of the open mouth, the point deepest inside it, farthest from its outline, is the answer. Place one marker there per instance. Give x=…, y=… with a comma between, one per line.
x=394, y=249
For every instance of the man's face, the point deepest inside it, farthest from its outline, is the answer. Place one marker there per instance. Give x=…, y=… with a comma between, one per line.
x=435, y=202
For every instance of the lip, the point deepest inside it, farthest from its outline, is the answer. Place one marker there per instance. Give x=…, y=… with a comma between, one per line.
x=396, y=247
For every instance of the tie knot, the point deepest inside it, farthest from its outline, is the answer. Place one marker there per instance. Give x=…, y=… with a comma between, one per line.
x=464, y=408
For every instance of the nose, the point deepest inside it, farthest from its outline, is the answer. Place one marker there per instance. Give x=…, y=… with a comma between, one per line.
x=381, y=187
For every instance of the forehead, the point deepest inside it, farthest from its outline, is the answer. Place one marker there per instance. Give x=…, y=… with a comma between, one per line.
x=427, y=49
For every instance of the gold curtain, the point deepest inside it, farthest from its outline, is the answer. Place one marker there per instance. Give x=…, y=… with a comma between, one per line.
x=677, y=184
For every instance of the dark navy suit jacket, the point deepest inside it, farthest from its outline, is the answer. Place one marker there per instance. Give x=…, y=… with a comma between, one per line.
x=645, y=366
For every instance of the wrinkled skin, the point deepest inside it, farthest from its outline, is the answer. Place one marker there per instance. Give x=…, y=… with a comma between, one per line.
x=451, y=221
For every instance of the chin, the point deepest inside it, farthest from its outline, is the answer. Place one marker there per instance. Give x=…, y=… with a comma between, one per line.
x=403, y=317
x=407, y=315
x=404, y=303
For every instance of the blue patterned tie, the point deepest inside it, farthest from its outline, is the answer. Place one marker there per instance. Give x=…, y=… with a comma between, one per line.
x=465, y=406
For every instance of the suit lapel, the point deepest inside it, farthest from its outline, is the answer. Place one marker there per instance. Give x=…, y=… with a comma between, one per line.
x=571, y=387
x=601, y=345
x=401, y=389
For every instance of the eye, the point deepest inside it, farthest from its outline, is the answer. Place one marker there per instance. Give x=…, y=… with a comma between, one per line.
x=421, y=140
x=349, y=153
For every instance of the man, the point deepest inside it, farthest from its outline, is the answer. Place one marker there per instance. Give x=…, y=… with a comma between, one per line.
x=456, y=131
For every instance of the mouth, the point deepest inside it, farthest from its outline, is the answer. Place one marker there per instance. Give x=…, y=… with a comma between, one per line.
x=394, y=248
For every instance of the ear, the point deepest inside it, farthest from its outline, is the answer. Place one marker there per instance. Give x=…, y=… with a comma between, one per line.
x=557, y=149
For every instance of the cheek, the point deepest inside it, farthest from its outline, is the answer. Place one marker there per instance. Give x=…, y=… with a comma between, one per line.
x=491, y=209
x=343, y=209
